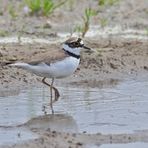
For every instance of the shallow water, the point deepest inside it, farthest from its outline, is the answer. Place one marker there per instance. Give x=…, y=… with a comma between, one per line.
x=123, y=145
x=115, y=109
x=15, y=135
x=126, y=145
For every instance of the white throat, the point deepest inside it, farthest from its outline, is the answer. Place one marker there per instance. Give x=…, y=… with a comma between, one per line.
x=75, y=51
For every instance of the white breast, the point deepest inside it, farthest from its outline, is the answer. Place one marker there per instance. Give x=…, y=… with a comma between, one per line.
x=64, y=68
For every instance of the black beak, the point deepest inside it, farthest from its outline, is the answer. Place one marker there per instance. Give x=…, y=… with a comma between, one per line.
x=85, y=47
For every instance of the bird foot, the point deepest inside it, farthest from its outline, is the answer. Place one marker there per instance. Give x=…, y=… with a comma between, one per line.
x=57, y=95
x=44, y=108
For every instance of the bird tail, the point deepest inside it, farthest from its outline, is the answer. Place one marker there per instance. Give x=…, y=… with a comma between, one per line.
x=3, y=63
x=19, y=64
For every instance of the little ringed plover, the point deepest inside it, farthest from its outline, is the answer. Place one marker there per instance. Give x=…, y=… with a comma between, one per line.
x=62, y=65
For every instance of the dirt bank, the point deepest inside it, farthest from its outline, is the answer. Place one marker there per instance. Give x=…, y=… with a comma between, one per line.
x=111, y=58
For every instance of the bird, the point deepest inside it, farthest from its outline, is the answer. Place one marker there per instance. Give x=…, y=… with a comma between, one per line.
x=62, y=65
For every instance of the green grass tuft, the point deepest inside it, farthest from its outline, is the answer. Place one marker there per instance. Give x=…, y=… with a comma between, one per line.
x=107, y=2
x=88, y=14
x=3, y=33
x=34, y=5
x=43, y=7
x=12, y=11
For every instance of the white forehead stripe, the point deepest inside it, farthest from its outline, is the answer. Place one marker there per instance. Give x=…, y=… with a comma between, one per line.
x=81, y=42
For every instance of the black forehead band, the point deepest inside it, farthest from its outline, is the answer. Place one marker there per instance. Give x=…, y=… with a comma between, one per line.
x=79, y=40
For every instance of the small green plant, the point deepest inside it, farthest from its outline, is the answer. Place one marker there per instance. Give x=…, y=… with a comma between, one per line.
x=101, y=2
x=146, y=31
x=88, y=14
x=48, y=7
x=20, y=33
x=107, y=2
x=71, y=4
x=43, y=7
x=12, y=11
x=3, y=33
x=103, y=22
x=112, y=2
x=78, y=28
x=34, y=5
x=1, y=12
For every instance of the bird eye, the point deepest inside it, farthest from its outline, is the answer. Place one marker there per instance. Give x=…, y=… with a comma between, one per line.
x=76, y=43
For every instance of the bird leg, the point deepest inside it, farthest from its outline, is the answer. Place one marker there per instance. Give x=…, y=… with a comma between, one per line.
x=51, y=96
x=57, y=95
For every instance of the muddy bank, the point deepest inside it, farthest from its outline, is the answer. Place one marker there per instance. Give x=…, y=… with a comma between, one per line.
x=110, y=58
x=52, y=138
x=117, y=53
x=65, y=140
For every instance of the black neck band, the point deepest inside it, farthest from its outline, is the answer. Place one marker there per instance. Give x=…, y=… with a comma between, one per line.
x=72, y=54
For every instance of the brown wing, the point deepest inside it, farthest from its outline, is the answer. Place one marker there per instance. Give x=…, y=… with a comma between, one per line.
x=48, y=57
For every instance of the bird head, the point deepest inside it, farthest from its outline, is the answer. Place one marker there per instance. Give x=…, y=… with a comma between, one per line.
x=74, y=45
